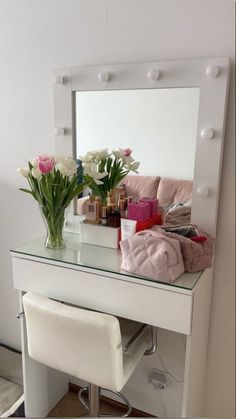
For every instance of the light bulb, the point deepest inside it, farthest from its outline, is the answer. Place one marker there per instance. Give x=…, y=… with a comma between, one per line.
x=207, y=133
x=60, y=131
x=153, y=74
x=103, y=76
x=212, y=71
x=59, y=79
x=203, y=191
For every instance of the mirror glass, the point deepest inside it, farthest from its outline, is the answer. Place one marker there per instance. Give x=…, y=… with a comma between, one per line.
x=159, y=125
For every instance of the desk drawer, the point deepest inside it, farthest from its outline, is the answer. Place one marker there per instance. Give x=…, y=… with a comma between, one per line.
x=159, y=307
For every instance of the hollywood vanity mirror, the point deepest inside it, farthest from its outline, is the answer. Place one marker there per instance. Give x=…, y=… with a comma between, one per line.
x=172, y=115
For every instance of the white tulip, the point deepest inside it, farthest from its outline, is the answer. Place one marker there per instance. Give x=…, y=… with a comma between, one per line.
x=66, y=165
x=135, y=166
x=34, y=162
x=87, y=158
x=90, y=169
x=118, y=154
x=101, y=154
x=36, y=173
x=95, y=156
x=127, y=161
x=24, y=171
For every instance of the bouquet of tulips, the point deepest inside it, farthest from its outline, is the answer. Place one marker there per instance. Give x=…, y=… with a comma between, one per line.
x=103, y=171
x=53, y=182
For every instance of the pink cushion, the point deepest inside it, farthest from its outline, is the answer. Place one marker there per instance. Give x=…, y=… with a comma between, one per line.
x=141, y=186
x=173, y=190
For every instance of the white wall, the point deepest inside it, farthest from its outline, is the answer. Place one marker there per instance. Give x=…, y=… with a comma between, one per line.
x=38, y=35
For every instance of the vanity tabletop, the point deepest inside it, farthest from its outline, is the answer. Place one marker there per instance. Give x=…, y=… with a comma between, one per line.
x=101, y=259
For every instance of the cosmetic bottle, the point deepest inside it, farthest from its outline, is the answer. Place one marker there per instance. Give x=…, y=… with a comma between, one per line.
x=98, y=208
x=111, y=197
x=128, y=200
x=122, y=208
x=122, y=195
x=104, y=216
x=109, y=204
x=91, y=214
x=113, y=219
x=113, y=207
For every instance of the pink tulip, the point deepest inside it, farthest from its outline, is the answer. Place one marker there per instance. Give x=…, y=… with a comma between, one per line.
x=46, y=163
x=127, y=152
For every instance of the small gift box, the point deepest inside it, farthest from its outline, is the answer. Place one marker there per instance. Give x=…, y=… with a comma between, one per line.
x=139, y=211
x=153, y=202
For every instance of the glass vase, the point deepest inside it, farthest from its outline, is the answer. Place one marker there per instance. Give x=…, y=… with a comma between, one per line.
x=54, y=219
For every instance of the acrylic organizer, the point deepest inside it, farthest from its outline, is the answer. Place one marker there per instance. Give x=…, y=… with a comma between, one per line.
x=99, y=235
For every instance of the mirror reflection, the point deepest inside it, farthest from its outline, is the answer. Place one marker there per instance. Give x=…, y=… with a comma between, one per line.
x=159, y=125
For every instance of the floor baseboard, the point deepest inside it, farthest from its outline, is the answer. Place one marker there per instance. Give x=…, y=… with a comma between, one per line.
x=74, y=388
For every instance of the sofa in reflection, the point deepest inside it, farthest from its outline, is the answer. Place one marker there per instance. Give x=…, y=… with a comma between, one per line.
x=168, y=191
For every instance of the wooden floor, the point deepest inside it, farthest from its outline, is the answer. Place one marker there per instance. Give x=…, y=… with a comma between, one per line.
x=70, y=406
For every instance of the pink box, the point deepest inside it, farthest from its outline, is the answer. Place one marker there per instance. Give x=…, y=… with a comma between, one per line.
x=139, y=211
x=153, y=205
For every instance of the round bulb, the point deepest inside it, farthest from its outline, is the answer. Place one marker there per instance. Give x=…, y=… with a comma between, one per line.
x=153, y=74
x=203, y=191
x=60, y=131
x=207, y=133
x=212, y=71
x=103, y=76
x=59, y=79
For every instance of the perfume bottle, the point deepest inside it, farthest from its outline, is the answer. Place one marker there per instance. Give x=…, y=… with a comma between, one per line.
x=128, y=200
x=111, y=206
x=122, y=208
x=113, y=219
x=104, y=216
x=91, y=213
x=111, y=197
x=98, y=208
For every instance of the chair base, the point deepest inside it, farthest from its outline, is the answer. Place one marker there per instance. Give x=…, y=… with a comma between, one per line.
x=94, y=406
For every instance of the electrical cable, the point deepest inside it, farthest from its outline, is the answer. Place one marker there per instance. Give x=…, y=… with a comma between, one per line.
x=166, y=369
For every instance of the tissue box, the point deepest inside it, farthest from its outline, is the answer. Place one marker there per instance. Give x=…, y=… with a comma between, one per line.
x=99, y=235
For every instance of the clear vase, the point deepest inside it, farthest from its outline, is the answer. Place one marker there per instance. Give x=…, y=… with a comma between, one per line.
x=54, y=219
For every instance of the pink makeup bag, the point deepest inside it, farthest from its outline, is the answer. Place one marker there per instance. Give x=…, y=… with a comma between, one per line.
x=151, y=254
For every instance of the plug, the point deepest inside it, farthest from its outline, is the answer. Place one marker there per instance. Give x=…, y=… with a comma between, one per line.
x=158, y=380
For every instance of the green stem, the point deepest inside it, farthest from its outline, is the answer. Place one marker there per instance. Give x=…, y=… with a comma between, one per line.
x=54, y=220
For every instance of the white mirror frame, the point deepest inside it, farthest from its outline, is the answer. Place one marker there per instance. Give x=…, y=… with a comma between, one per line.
x=211, y=75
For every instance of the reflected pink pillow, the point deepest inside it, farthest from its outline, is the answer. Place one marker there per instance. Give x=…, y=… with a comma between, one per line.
x=140, y=186
x=171, y=191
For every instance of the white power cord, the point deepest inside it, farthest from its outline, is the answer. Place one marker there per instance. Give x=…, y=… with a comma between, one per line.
x=166, y=369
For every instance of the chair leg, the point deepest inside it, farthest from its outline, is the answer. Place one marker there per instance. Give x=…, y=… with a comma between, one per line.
x=94, y=401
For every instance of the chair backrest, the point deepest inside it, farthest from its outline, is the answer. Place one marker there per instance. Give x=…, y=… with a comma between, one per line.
x=82, y=343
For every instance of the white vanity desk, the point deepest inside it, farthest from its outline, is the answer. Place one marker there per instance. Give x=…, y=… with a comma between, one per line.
x=90, y=276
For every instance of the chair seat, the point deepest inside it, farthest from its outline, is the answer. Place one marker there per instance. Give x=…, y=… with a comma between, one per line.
x=82, y=343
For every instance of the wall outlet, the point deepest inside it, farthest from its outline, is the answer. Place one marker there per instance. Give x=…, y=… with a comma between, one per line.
x=158, y=380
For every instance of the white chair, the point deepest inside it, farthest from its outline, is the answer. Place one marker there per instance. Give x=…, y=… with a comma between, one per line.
x=92, y=346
